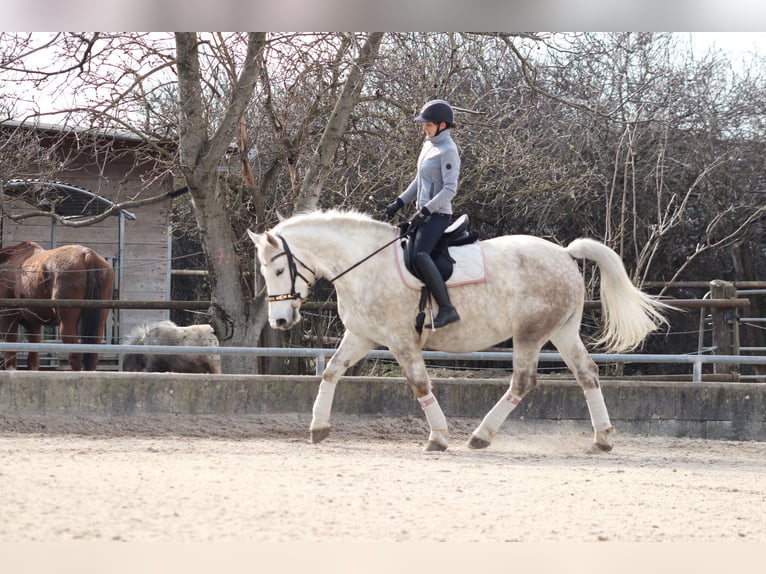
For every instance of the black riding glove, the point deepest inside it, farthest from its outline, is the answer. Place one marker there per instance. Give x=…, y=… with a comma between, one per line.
x=392, y=208
x=418, y=219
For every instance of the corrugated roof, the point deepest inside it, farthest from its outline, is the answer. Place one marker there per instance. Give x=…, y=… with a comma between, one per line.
x=35, y=124
x=63, y=199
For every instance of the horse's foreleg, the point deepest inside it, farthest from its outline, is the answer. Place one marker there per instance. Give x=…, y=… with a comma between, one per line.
x=586, y=372
x=524, y=379
x=352, y=348
x=11, y=336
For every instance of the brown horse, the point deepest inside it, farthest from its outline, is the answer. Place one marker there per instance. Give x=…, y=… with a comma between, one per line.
x=27, y=271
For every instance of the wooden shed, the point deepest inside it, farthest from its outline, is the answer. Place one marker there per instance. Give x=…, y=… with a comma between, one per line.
x=81, y=175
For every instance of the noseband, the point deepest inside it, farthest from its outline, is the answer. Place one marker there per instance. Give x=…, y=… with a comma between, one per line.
x=294, y=274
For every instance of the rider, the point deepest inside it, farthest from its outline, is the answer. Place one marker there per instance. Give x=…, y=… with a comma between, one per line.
x=434, y=187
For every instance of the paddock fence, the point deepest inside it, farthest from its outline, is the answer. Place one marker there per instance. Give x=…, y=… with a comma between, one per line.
x=320, y=356
x=723, y=301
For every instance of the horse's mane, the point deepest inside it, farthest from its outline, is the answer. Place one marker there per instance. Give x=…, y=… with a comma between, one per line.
x=335, y=217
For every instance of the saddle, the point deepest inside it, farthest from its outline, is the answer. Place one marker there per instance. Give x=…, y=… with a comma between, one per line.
x=456, y=234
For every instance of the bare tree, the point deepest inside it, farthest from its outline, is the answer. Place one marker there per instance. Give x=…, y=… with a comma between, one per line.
x=195, y=90
x=319, y=167
x=202, y=145
x=627, y=137
x=641, y=138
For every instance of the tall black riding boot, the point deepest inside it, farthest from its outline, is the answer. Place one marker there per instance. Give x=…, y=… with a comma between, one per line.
x=435, y=283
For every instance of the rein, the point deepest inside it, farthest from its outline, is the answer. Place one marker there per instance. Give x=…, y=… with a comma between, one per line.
x=294, y=273
x=358, y=263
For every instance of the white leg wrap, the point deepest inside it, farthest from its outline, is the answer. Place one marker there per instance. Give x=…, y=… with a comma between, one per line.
x=433, y=411
x=496, y=417
x=323, y=405
x=597, y=407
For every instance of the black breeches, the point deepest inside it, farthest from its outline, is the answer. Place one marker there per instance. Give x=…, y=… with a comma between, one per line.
x=428, y=234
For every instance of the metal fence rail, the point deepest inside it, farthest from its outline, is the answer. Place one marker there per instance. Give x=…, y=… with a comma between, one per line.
x=321, y=355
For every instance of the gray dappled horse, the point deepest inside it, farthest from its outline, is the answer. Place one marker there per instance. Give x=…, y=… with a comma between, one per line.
x=533, y=293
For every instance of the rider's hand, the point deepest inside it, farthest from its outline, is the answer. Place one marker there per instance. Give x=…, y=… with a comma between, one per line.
x=392, y=208
x=418, y=219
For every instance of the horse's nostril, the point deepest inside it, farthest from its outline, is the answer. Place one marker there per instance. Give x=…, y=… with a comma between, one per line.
x=281, y=323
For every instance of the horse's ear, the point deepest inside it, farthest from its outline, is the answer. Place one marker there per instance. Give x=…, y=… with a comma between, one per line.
x=263, y=238
x=271, y=240
x=280, y=217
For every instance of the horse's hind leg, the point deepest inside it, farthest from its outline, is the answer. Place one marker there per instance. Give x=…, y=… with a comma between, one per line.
x=575, y=355
x=90, y=360
x=524, y=379
x=34, y=335
x=351, y=350
x=411, y=361
x=68, y=331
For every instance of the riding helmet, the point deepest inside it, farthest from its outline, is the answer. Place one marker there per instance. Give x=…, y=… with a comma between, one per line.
x=436, y=111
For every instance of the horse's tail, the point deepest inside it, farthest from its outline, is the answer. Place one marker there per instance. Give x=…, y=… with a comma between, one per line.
x=138, y=335
x=92, y=320
x=629, y=313
x=136, y=361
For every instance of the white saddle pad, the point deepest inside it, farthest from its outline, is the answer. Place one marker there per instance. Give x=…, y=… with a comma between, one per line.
x=469, y=266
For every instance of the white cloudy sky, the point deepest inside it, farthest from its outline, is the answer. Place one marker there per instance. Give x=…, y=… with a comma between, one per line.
x=733, y=42
x=402, y=15
x=740, y=46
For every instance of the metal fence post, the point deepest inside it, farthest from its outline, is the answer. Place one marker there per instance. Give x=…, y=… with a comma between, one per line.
x=697, y=372
x=320, y=362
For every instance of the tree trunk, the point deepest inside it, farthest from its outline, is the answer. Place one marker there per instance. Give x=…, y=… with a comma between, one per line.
x=237, y=321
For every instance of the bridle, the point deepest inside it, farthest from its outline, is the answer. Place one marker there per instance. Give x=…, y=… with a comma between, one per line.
x=294, y=273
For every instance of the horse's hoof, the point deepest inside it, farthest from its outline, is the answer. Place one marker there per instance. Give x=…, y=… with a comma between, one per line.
x=598, y=447
x=318, y=435
x=477, y=443
x=600, y=442
x=434, y=446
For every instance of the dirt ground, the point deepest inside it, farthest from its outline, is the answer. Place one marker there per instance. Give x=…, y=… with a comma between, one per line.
x=257, y=478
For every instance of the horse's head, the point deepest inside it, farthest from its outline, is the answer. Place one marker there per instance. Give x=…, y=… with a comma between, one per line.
x=286, y=286
x=17, y=254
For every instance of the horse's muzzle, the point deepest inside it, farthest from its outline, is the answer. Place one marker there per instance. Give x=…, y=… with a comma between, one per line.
x=285, y=323
x=281, y=323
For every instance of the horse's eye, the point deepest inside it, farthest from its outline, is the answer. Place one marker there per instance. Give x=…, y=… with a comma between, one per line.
x=280, y=271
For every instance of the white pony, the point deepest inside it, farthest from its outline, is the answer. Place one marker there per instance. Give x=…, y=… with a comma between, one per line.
x=533, y=292
x=170, y=334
